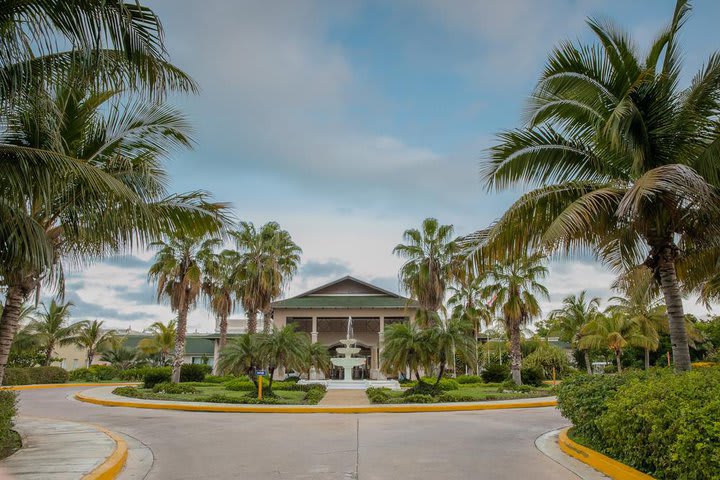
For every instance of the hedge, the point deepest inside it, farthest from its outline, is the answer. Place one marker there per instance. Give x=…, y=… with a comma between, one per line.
x=156, y=375
x=174, y=388
x=194, y=372
x=495, y=372
x=469, y=379
x=34, y=375
x=662, y=423
x=8, y=409
x=96, y=373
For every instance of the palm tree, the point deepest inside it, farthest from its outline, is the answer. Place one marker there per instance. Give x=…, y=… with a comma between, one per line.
x=405, y=347
x=450, y=338
x=112, y=199
x=576, y=312
x=120, y=357
x=178, y=273
x=162, y=341
x=92, y=337
x=221, y=288
x=281, y=348
x=317, y=356
x=468, y=303
x=615, y=331
x=429, y=255
x=52, y=330
x=626, y=162
x=269, y=259
x=514, y=286
x=242, y=356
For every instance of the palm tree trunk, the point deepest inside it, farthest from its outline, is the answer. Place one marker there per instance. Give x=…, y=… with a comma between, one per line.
x=223, y=332
x=252, y=323
x=618, y=362
x=417, y=375
x=48, y=356
x=180, y=332
x=90, y=357
x=676, y=315
x=441, y=373
x=588, y=365
x=14, y=299
x=267, y=325
x=515, y=353
x=647, y=359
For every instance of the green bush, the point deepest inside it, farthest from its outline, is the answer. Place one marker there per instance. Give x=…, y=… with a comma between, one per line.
x=174, y=388
x=153, y=376
x=315, y=394
x=221, y=378
x=418, y=398
x=509, y=386
x=469, y=379
x=242, y=385
x=35, y=375
x=194, y=372
x=248, y=400
x=610, y=368
x=96, y=373
x=423, y=388
x=378, y=395
x=134, y=374
x=495, y=372
x=532, y=376
x=545, y=358
x=8, y=409
x=132, y=392
x=448, y=398
x=666, y=424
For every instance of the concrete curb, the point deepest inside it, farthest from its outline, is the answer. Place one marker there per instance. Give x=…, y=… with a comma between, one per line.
x=602, y=463
x=65, y=385
x=232, y=408
x=113, y=465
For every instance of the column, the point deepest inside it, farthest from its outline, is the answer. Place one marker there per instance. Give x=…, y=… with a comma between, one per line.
x=381, y=340
x=314, y=333
x=216, y=356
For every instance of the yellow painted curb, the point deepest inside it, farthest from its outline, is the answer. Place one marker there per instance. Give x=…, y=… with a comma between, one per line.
x=407, y=408
x=113, y=465
x=602, y=463
x=64, y=385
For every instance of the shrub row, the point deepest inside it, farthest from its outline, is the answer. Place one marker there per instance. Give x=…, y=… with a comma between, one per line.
x=469, y=379
x=314, y=394
x=34, y=375
x=96, y=373
x=8, y=409
x=662, y=423
x=174, y=388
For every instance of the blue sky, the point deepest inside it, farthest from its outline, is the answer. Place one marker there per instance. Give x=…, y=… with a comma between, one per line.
x=349, y=122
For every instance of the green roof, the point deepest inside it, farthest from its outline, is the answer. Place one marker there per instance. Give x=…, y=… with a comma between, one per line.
x=342, y=301
x=194, y=345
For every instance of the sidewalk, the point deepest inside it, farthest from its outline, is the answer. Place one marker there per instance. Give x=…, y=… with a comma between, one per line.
x=345, y=397
x=57, y=449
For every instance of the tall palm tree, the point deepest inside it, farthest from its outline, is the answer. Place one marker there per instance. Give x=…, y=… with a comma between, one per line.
x=221, y=288
x=177, y=271
x=405, y=347
x=92, y=337
x=112, y=199
x=242, y=355
x=429, y=255
x=269, y=259
x=615, y=331
x=162, y=342
x=571, y=318
x=281, y=348
x=626, y=163
x=51, y=328
x=448, y=339
x=515, y=287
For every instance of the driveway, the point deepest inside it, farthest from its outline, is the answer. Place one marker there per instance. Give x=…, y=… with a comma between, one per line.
x=491, y=444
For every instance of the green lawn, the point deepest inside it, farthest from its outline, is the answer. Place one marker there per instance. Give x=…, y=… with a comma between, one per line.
x=478, y=393
x=290, y=397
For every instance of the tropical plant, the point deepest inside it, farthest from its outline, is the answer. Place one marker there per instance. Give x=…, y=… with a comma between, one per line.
x=221, y=287
x=241, y=356
x=282, y=348
x=317, y=356
x=120, y=357
x=515, y=286
x=625, y=161
x=569, y=320
x=449, y=339
x=404, y=347
x=429, y=254
x=161, y=343
x=615, y=331
x=51, y=329
x=269, y=259
x=92, y=337
x=178, y=273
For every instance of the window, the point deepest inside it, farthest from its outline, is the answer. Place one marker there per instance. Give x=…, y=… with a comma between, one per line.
x=75, y=363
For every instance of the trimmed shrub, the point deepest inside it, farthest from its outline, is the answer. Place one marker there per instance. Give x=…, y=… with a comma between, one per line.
x=174, y=388
x=96, y=373
x=241, y=385
x=16, y=376
x=423, y=388
x=418, y=398
x=132, y=392
x=445, y=383
x=532, y=376
x=35, y=375
x=495, y=372
x=153, y=376
x=8, y=409
x=248, y=400
x=194, y=372
x=315, y=394
x=545, y=358
x=378, y=395
x=469, y=379
x=448, y=398
x=509, y=386
x=221, y=378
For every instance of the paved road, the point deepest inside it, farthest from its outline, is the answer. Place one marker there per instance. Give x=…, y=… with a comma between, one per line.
x=493, y=444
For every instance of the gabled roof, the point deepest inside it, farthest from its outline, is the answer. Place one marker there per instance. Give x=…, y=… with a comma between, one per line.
x=347, y=292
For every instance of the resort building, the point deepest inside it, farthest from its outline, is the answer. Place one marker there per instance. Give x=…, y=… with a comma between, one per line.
x=324, y=311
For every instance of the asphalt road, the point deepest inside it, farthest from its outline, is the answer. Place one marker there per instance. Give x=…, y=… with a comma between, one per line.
x=491, y=444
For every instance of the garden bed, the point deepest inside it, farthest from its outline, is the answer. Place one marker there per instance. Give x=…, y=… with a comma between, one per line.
x=453, y=392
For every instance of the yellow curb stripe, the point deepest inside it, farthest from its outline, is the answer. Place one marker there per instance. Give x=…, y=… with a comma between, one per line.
x=602, y=463
x=407, y=408
x=63, y=385
x=113, y=465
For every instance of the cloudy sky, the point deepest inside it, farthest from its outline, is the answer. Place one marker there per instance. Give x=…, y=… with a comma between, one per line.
x=348, y=122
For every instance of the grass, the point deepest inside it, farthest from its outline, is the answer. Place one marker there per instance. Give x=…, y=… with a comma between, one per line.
x=290, y=397
x=12, y=445
x=479, y=392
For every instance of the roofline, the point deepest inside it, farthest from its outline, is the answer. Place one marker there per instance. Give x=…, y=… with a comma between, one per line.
x=346, y=277
x=404, y=307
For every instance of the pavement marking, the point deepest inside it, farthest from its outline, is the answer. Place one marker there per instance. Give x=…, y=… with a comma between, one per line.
x=608, y=466
x=113, y=465
x=112, y=401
